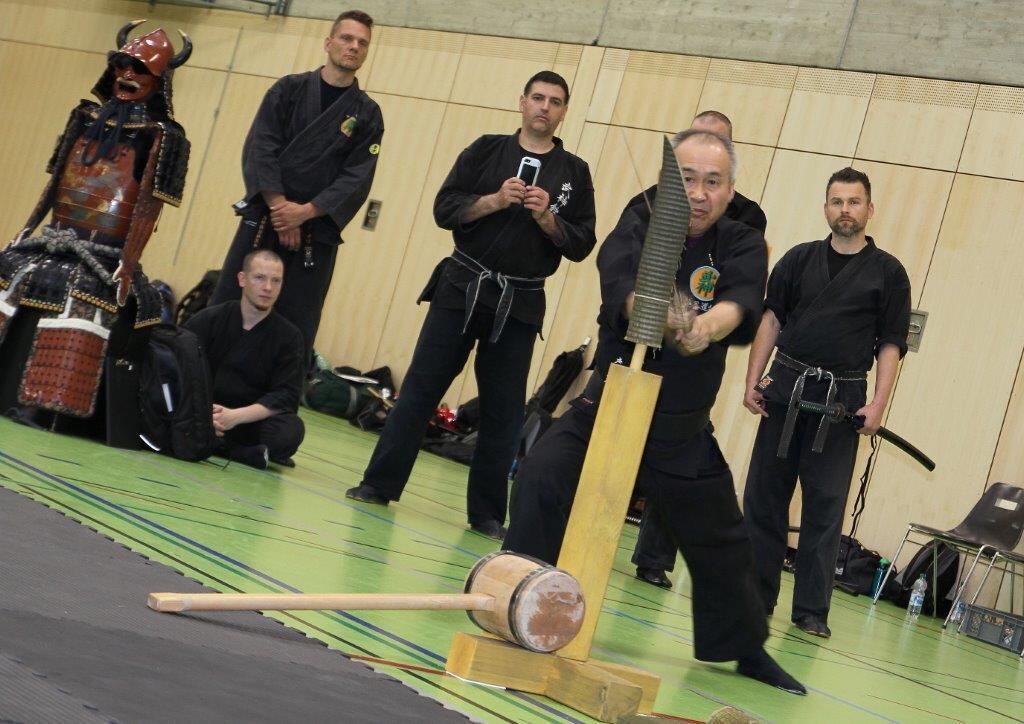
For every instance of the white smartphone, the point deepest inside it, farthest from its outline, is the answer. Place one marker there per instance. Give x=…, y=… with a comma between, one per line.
x=529, y=169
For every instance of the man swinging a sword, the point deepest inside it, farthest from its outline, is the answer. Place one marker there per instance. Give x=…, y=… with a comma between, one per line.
x=722, y=272
x=833, y=306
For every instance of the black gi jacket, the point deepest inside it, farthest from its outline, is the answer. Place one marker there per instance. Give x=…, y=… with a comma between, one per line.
x=838, y=324
x=327, y=158
x=734, y=252
x=263, y=365
x=510, y=241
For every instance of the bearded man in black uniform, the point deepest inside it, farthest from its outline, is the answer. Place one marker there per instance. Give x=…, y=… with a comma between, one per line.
x=682, y=472
x=308, y=163
x=509, y=235
x=832, y=307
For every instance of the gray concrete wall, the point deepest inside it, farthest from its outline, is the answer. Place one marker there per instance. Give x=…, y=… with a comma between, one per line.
x=970, y=40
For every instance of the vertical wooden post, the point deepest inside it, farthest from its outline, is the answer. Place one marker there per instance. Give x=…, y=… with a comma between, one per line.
x=602, y=498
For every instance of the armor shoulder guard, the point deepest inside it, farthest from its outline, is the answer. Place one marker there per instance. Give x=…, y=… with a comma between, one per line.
x=171, y=163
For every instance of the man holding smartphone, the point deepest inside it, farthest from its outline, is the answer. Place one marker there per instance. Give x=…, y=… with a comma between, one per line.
x=510, y=234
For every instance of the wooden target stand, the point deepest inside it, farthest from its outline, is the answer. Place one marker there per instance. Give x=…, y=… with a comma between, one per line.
x=608, y=692
x=605, y=691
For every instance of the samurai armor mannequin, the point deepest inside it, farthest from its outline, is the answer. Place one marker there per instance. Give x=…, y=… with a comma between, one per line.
x=115, y=165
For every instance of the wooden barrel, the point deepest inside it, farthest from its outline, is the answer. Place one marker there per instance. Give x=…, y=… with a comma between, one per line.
x=537, y=606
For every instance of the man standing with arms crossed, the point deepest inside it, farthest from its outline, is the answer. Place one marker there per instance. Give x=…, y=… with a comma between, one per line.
x=510, y=234
x=832, y=307
x=308, y=163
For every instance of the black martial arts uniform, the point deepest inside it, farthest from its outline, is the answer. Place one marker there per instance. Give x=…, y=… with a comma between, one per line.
x=682, y=472
x=654, y=547
x=262, y=365
x=488, y=293
x=836, y=312
x=315, y=143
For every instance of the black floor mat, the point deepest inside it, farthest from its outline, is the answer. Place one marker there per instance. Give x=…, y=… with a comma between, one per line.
x=77, y=643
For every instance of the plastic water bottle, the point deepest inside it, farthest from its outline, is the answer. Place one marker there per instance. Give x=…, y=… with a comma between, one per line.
x=883, y=565
x=917, y=597
x=958, y=612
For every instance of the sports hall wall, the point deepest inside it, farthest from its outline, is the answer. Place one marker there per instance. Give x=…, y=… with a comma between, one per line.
x=944, y=157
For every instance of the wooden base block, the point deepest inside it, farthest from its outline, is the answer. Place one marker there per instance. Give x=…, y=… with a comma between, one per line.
x=646, y=680
x=592, y=690
x=607, y=692
x=497, y=662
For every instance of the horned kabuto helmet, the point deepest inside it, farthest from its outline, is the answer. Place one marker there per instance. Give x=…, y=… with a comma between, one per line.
x=153, y=52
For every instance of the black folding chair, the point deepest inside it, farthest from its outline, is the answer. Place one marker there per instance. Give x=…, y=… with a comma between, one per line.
x=994, y=525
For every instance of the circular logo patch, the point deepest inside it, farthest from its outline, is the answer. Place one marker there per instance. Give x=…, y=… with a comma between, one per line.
x=702, y=283
x=375, y=149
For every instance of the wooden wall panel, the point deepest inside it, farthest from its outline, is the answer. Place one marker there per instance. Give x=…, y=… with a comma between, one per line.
x=197, y=95
x=35, y=109
x=917, y=122
x=368, y=262
x=754, y=96
x=951, y=400
x=826, y=111
x=993, y=146
x=658, y=91
x=1008, y=463
x=93, y=24
x=609, y=81
x=909, y=207
x=270, y=46
x=416, y=63
x=215, y=182
x=428, y=244
x=493, y=70
x=754, y=163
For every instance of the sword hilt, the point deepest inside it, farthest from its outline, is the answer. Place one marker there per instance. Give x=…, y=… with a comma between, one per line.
x=836, y=412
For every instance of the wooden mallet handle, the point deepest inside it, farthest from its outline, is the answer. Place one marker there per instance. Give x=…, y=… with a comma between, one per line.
x=177, y=602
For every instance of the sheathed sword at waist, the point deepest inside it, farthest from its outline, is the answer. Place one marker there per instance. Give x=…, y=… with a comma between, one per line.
x=837, y=412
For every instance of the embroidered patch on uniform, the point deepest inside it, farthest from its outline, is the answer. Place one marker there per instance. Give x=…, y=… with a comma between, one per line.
x=702, y=283
x=763, y=384
x=374, y=149
x=562, y=199
x=348, y=126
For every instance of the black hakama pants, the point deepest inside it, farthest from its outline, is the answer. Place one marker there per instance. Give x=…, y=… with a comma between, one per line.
x=701, y=515
x=824, y=487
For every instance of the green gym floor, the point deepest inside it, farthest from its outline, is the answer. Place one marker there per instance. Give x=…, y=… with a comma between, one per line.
x=238, y=529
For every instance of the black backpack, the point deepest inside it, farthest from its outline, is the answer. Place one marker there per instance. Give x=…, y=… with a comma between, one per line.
x=175, y=395
x=198, y=297
x=947, y=565
x=856, y=566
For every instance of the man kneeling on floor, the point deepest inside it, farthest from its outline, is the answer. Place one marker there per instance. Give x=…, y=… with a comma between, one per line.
x=256, y=364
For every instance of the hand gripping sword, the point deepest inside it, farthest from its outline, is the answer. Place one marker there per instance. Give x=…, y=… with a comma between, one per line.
x=836, y=412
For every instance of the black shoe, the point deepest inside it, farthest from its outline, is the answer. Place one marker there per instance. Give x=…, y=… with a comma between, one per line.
x=490, y=528
x=762, y=667
x=654, y=576
x=367, y=494
x=812, y=625
x=255, y=456
x=284, y=462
